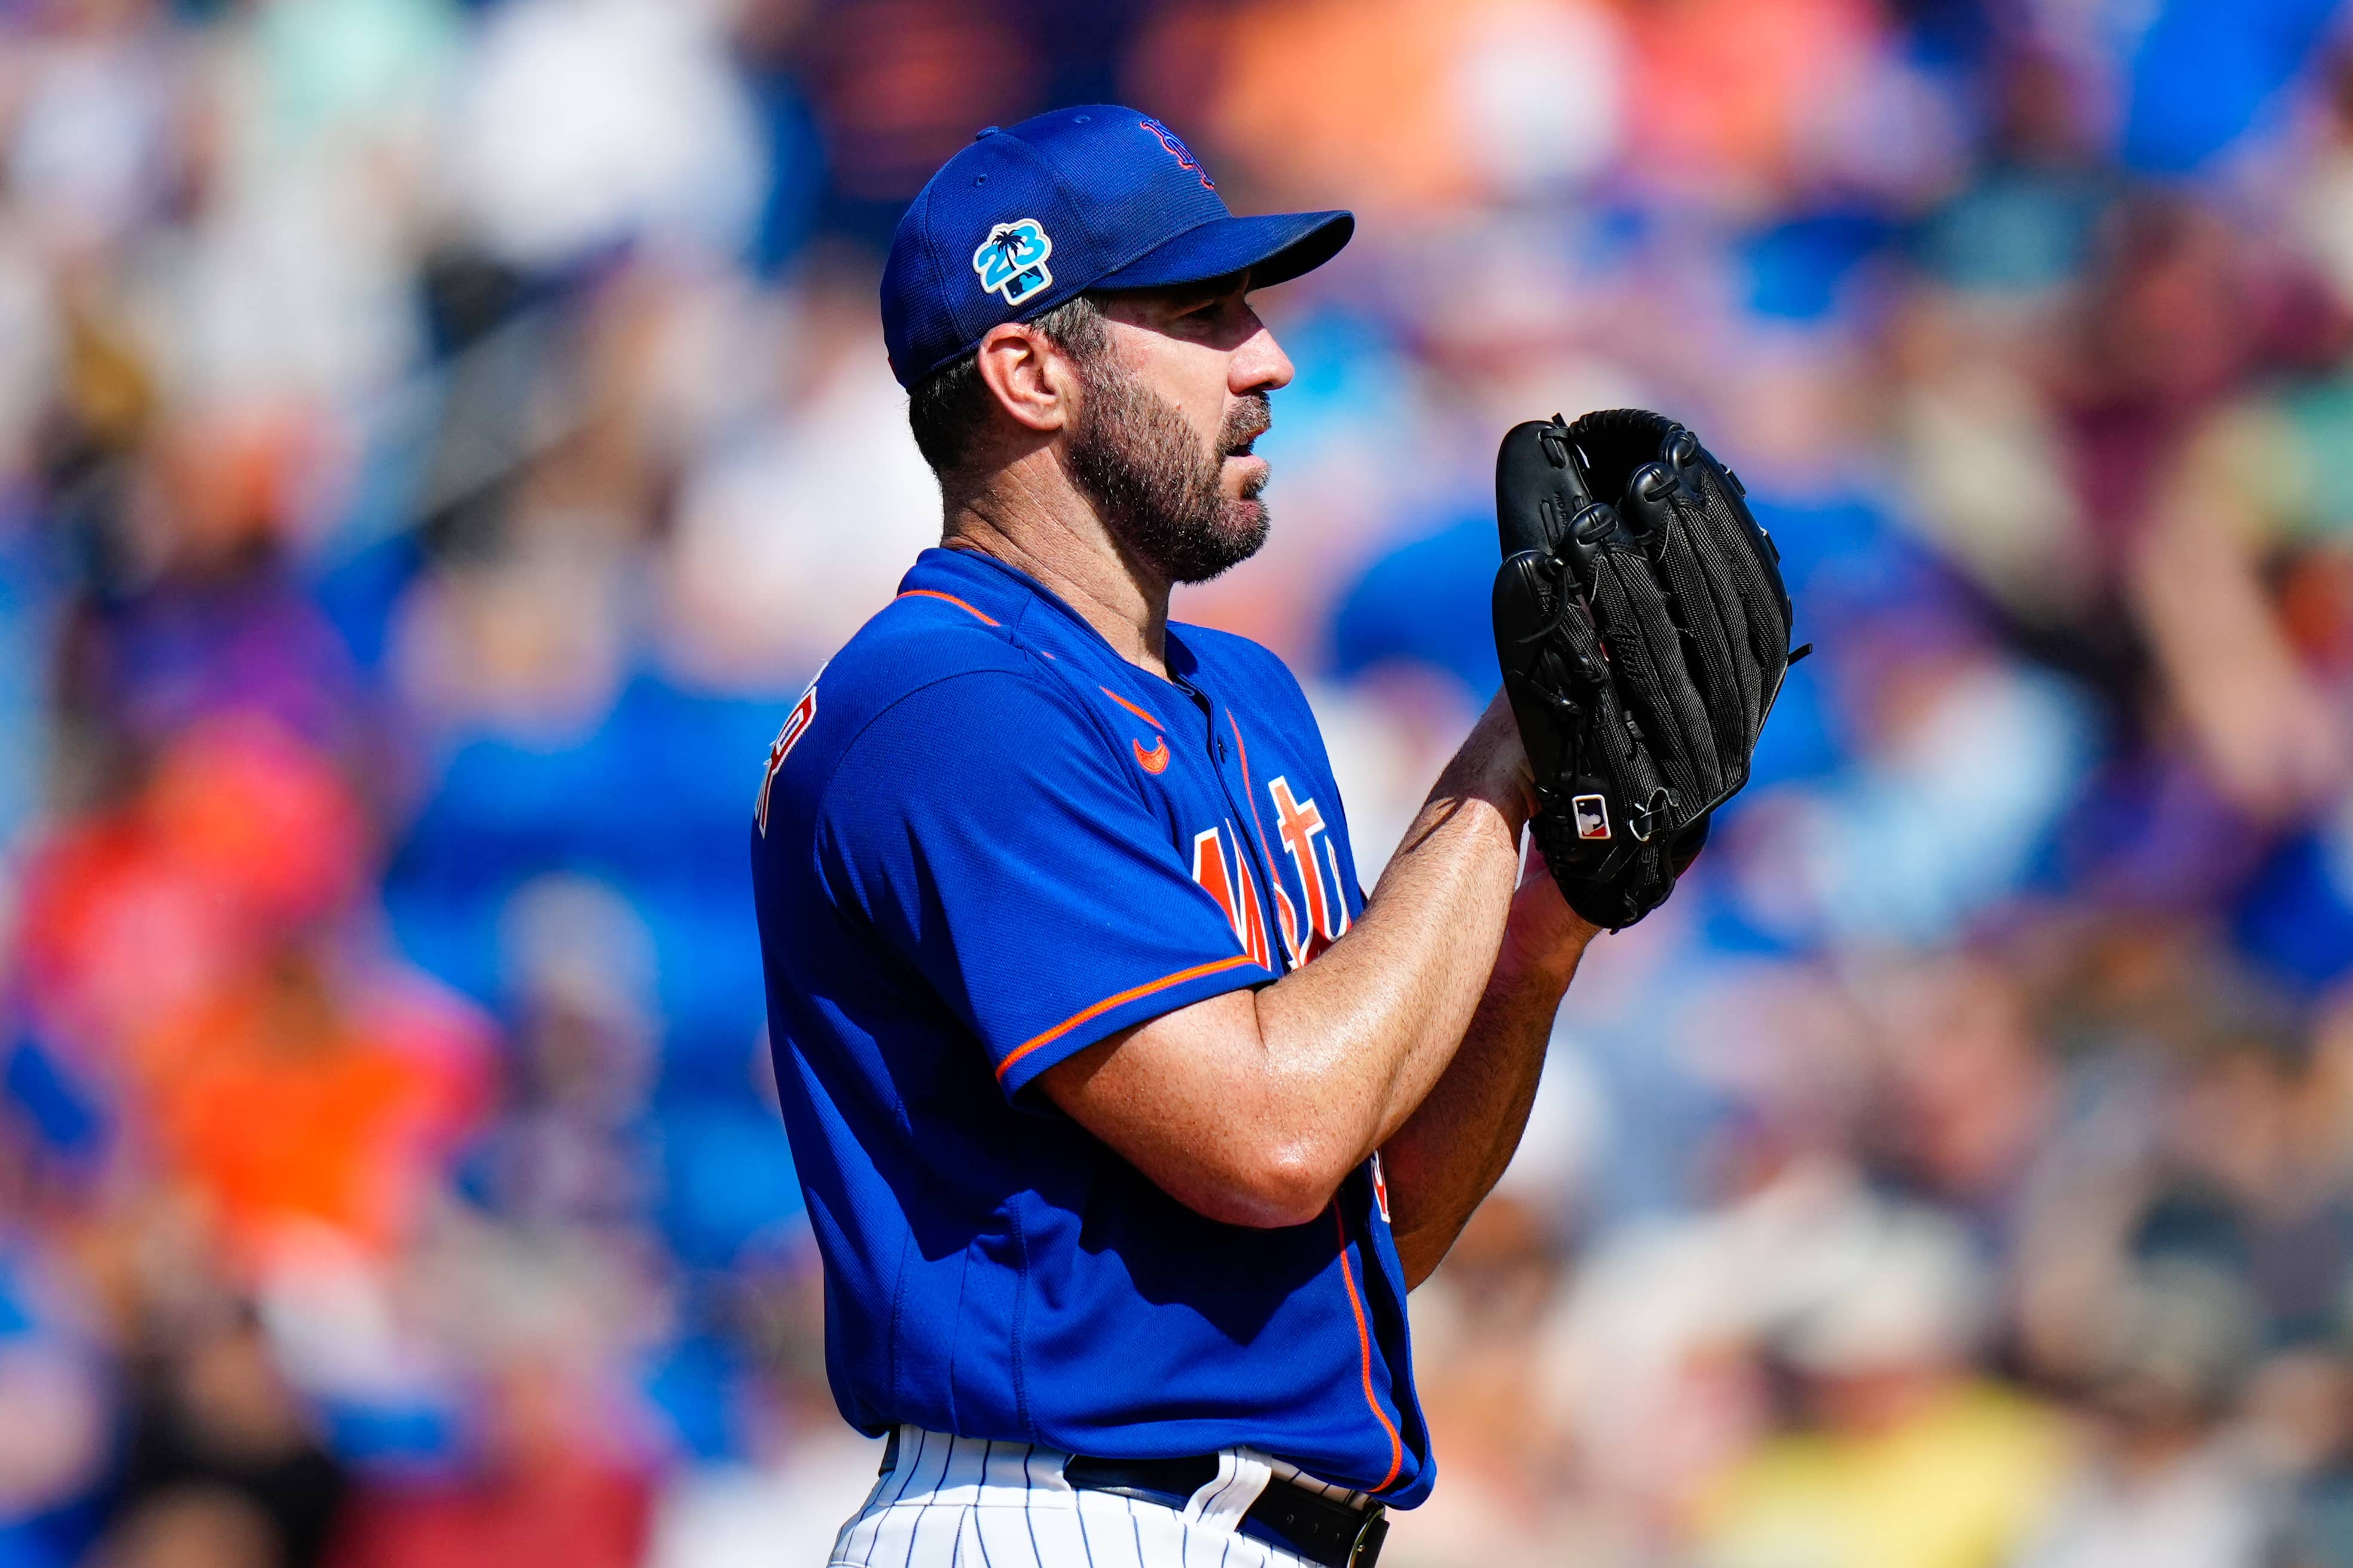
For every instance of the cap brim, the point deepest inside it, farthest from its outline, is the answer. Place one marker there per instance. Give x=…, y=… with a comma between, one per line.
x=1274, y=248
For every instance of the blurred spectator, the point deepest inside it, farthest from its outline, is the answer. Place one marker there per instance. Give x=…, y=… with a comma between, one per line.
x=222, y=1464
x=53, y=1382
x=580, y=126
x=1905, y=1456
x=543, y=1486
x=195, y=1527
x=2164, y=1484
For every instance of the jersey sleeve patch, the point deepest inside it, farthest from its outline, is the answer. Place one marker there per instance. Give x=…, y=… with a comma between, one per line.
x=796, y=724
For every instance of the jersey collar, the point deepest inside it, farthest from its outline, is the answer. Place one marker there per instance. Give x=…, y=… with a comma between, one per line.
x=1002, y=592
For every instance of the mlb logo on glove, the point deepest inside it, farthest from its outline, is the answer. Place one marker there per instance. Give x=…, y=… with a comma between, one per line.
x=1592, y=815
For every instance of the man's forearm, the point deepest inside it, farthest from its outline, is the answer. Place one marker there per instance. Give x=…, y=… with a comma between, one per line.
x=1364, y=1032
x=1251, y=1107
x=1452, y=1151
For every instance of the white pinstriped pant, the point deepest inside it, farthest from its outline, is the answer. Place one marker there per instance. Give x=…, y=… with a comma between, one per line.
x=966, y=1503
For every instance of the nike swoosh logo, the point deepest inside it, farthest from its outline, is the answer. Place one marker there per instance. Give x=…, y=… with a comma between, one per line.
x=1155, y=761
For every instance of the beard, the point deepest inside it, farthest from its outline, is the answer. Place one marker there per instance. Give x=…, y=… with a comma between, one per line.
x=1160, y=494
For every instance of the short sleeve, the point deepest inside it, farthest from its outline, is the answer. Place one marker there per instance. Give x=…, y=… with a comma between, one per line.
x=980, y=827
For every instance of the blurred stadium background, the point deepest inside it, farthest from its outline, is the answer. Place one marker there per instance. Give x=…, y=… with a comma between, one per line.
x=437, y=439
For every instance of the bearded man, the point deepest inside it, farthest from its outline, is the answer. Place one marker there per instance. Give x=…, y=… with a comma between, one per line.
x=1125, y=1120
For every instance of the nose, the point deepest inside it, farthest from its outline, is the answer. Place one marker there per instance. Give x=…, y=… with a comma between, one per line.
x=1259, y=364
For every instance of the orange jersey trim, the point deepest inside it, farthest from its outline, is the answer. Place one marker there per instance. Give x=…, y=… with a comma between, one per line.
x=951, y=599
x=1365, y=1351
x=1249, y=789
x=1130, y=707
x=1122, y=1000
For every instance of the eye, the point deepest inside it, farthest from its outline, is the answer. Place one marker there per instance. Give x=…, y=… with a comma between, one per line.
x=1210, y=311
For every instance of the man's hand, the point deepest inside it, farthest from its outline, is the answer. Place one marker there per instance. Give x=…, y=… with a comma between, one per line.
x=1542, y=934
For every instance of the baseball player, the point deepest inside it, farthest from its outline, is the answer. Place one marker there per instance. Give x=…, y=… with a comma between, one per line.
x=1127, y=1120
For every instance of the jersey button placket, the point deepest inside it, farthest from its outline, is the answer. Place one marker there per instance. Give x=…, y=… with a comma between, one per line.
x=1236, y=773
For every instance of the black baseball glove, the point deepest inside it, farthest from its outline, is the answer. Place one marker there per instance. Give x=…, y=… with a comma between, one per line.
x=1644, y=633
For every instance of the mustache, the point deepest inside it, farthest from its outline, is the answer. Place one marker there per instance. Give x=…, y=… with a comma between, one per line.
x=1246, y=421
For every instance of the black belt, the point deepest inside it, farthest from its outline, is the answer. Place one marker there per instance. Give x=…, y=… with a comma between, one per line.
x=1286, y=1514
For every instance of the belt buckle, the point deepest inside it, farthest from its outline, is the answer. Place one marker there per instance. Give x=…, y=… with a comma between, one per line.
x=1367, y=1549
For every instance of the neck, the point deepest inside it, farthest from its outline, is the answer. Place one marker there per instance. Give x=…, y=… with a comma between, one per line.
x=1053, y=534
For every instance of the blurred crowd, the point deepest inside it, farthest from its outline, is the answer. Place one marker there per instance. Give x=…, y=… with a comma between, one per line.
x=438, y=439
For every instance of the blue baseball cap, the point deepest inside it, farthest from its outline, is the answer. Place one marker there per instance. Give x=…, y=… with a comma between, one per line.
x=1095, y=197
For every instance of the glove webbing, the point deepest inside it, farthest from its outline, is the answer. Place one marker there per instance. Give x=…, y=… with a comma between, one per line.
x=1672, y=720
x=1729, y=614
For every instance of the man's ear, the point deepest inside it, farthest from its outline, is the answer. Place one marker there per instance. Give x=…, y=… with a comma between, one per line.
x=1031, y=380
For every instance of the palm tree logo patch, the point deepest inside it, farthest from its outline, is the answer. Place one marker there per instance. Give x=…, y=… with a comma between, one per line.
x=1012, y=261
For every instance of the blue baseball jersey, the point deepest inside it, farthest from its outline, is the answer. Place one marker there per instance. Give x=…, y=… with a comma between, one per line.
x=984, y=842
